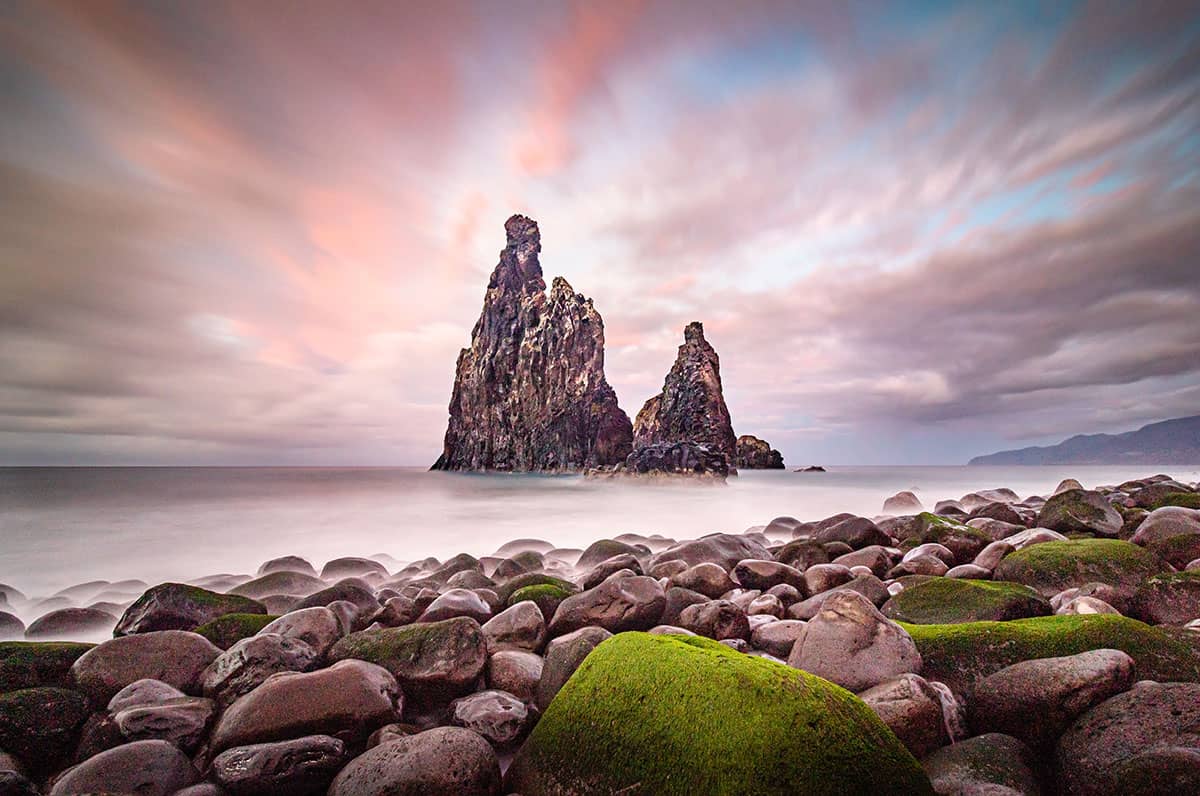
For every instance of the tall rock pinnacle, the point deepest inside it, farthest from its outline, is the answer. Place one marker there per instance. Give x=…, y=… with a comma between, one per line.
x=530, y=393
x=691, y=406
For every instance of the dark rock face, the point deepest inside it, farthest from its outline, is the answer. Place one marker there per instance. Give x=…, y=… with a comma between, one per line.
x=530, y=392
x=752, y=453
x=691, y=406
x=678, y=458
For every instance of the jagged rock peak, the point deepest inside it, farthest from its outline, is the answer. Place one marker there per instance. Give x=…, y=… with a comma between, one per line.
x=530, y=392
x=519, y=266
x=691, y=406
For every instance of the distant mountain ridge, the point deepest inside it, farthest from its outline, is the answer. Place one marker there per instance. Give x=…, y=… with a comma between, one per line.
x=1168, y=442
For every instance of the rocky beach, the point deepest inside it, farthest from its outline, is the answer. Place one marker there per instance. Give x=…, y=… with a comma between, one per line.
x=992, y=643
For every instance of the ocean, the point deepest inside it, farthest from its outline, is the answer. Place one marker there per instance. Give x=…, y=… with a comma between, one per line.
x=64, y=526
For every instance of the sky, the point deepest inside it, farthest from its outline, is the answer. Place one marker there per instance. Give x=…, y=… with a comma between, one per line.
x=260, y=232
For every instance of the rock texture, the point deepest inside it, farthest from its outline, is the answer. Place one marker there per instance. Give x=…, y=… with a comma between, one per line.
x=530, y=392
x=752, y=453
x=691, y=406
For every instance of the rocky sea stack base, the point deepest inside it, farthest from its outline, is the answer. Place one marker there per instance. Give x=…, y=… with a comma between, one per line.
x=997, y=644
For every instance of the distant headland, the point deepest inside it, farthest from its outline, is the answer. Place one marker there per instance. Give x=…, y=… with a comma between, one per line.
x=1169, y=442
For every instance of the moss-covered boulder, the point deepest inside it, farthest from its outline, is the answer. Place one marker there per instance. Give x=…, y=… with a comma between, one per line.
x=962, y=540
x=961, y=655
x=1178, y=550
x=1187, y=500
x=506, y=589
x=29, y=664
x=1052, y=567
x=227, y=630
x=1080, y=510
x=41, y=725
x=178, y=606
x=944, y=601
x=547, y=596
x=1172, y=598
x=434, y=662
x=686, y=715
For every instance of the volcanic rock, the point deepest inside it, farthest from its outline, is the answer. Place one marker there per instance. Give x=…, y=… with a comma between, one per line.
x=530, y=392
x=752, y=453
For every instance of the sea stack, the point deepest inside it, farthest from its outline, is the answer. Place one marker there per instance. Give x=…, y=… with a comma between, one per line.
x=752, y=453
x=530, y=393
x=691, y=406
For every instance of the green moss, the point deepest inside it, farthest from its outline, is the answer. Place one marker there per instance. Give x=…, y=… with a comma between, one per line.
x=546, y=596
x=505, y=590
x=960, y=655
x=680, y=715
x=951, y=600
x=227, y=630
x=1178, y=550
x=41, y=725
x=1188, y=500
x=29, y=664
x=1051, y=567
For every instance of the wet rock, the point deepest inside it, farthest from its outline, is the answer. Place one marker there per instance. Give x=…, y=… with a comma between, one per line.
x=716, y=619
x=348, y=701
x=822, y=577
x=521, y=627
x=11, y=627
x=986, y=765
x=766, y=604
x=563, y=656
x=299, y=767
x=433, y=662
x=530, y=392
x=902, y=503
x=147, y=768
x=722, y=549
x=1095, y=753
x=876, y=558
x=446, y=761
x=752, y=453
x=287, y=564
x=14, y=783
x=1037, y=700
x=802, y=554
x=349, y=590
x=910, y=707
x=634, y=603
x=691, y=406
x=919, y=565
x=500, y=717
x=350, y=567
x=1052, y=567
x=708, y=579
x=604, y=569
x=454, y=603
x=1165, y=523
x=520, y=563
x=317, y=627
x=516, y=672
x=181, y=721
x=175, y=657
x=41, y=725
x=858, y=532
x=868, y=586
x=248, y=663
x=852, y=644
x=1075, y=510
x=70, y=624
x=143, y=692
x=777, y=638
x=177, y=606
x=762, y=575
x=673, y=459
x=952, y=600
x=279, y=582
x=1083, y=606
x=992, y=555
x=1169, y=599
x=227, y=630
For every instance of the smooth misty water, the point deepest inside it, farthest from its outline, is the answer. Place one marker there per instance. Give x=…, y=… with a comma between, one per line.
x=63, y=526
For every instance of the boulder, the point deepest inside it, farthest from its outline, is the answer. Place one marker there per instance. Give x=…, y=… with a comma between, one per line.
x=11, y=626
x=752, y=453
x=434, y=662
x=672, y=459
x=602, y=550
x=962, y=655
x=634, y=603
x=227, y=630
x=858, y=532
x=903, y=503
x=350, y=590
x=601, y=572
x=716, y=619
x=687, y=715
x=175, y=657
x=279, y=582
x=1075, y=510
x=177, y=606
x=181, y=721
x=1172, y=598
x=147, y=768
x=941, y=601
x=287, y=564
x=351, y=567
x=986, y=765
x=530, y=392
x=516, y=672
x=348, y=701
x=520, y=627
x=1096, y=755
x=41, y=726
x=1167, y=522
x=910, y=707
x=563, y=656
x=722, y=549
x=299, y=767
x=1037, y=700
x=29, y=664
x=762, y=575
x=70, y=624
x=454, y=603
x=777, y=638
x=446, y=761
x=710, y=580
x=850, y=643
x=248, y=663
x=317, y=627
x=143, y=692
x=1053, y=567
x=500, y=717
